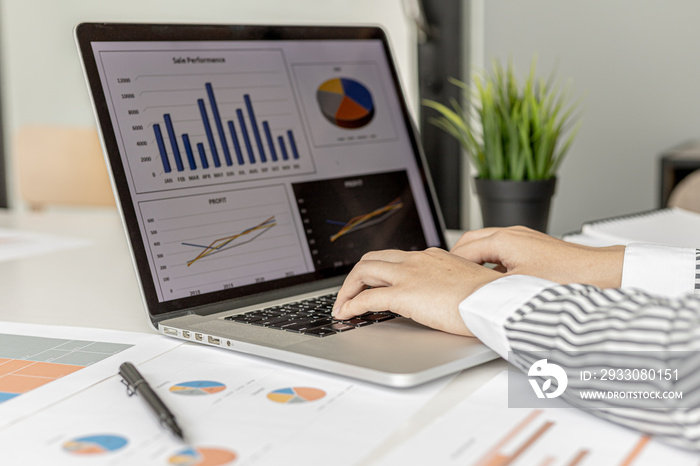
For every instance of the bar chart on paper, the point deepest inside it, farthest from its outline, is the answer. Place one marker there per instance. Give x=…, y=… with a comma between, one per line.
x=224, y=115
x=28, y=362
x=483, y=431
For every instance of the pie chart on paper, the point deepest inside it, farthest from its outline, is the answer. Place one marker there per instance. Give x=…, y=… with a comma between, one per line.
x=197, y=388
x=202, y=457
x=295, y=395
x=95, y=444
x=346, y=103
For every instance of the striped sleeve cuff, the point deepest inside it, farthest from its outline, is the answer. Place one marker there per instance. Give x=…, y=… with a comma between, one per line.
x=486, y=311
x=697, y=271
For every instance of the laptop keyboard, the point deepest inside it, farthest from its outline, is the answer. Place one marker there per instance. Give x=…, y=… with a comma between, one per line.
x=310, y=317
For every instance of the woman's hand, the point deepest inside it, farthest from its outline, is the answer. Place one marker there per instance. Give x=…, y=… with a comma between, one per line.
x=520, y=250
x=426, y=286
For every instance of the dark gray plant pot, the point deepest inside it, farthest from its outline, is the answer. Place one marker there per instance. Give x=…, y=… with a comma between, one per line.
x=507, y=203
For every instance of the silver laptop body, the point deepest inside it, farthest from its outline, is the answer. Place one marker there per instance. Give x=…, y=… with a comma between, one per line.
x=253, y=166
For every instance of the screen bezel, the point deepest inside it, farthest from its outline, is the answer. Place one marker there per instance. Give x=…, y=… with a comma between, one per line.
x=87, y=33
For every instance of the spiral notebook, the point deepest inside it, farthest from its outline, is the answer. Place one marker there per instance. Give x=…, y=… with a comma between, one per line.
x=671, y=226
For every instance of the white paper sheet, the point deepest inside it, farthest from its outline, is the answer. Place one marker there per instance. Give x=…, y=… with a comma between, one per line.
x=16, y=244
x=41, y=365
x=233, y=408
x=482, y=430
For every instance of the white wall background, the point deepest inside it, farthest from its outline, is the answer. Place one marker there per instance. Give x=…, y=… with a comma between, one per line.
x=635, y=63
x=42, y=77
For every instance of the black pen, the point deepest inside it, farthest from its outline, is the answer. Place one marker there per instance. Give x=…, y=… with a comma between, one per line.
x=136, y=384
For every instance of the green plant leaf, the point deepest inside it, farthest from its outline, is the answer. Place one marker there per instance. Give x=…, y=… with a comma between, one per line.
x=509, y=130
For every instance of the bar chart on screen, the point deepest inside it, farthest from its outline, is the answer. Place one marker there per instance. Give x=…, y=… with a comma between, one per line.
x=189, y=119
x=221, y=240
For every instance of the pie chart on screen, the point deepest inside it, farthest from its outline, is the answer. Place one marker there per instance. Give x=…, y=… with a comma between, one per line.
x=346, y=103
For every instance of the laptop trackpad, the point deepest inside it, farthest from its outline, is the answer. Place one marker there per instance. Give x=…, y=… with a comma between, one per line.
x=401, y=344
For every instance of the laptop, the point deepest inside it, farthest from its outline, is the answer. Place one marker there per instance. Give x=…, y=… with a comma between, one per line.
x=253, y=167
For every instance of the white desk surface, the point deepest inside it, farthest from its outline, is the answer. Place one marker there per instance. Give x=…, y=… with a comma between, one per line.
x=91, y=286
x=95, y=286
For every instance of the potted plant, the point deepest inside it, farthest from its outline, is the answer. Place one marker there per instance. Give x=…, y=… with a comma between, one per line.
x=517, y=137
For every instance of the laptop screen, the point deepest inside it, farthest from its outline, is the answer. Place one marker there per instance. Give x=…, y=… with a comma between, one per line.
x=255, y=158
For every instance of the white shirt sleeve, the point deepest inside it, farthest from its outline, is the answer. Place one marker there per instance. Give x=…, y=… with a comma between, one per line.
x=656, y=269
x=663, y=270
x=519, y=313
x=486, y=310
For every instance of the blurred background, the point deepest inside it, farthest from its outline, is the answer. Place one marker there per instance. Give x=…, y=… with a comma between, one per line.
x=632, y=62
